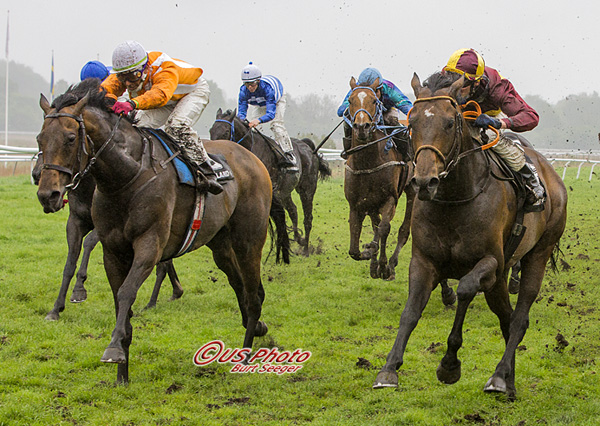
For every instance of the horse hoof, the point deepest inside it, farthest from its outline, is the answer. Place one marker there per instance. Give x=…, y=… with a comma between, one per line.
x=496, y=384
x=52, y=316
x=386, y=379
x=78, y=297
x=448, y=376
x=114, y=355
x=514, y=285
x=449, y=298
x=261, y=329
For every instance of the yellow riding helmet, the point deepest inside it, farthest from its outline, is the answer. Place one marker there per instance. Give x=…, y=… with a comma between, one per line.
x=467, y=62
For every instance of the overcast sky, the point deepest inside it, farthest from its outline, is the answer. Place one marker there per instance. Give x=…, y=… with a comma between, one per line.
x=548, y=48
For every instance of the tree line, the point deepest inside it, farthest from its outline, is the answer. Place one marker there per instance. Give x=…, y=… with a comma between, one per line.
x=567, y=124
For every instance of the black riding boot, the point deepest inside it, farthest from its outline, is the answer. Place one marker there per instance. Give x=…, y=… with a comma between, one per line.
x=208, y=179
x=536, y=195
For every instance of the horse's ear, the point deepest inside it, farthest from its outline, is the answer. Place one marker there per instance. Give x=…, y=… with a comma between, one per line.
x=456, y=86
x=78, y=108
x=416, y=84
x=234, y=113
x=375, y=84
x=44, y=104
x=219, y=113
x=352, y=83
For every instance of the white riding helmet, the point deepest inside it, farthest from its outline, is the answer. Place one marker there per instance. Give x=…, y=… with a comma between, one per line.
x=251, y=73
x=128, y=56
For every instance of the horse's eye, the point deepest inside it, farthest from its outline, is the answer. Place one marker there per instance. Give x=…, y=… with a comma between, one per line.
x=450, y=124
x=71, y=138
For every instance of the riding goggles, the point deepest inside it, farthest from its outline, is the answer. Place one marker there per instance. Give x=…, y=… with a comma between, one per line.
x=131, y=76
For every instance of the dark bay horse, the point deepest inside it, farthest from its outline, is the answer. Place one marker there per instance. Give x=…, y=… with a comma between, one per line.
x=80, y=225
x=142, y=213
x=462, y=219
x=312, y=167
x=374, y=180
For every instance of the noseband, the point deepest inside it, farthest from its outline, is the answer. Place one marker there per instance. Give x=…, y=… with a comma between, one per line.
x=76, y=178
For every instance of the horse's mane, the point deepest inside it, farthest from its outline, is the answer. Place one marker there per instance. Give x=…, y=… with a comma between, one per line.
x=90, y=86
x=440, y=80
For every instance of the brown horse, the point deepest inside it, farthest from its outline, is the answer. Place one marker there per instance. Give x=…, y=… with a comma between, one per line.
x=79, y=226
x=375, y=178
x=462, y=219
x=142, y=213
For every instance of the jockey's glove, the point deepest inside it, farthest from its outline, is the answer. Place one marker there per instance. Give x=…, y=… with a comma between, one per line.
x=485, y=120
x=123, y=107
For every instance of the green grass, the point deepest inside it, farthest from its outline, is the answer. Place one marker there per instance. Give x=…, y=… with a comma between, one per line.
x=51, y=374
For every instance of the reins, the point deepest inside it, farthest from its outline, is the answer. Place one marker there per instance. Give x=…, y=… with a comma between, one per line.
x=452, y=159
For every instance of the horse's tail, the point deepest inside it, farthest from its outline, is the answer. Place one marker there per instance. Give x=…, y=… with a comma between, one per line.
x=282, y=239
x=324, y=170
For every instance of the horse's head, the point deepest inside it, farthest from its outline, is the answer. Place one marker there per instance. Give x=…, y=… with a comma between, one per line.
x=365, y=109
x=436, y=132
x=227, y=126
x=62, y=141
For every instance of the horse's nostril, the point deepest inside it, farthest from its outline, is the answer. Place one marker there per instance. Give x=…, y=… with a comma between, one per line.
x=433, y=182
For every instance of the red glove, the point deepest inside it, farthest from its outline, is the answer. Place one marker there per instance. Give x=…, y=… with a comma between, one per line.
x=123, y=107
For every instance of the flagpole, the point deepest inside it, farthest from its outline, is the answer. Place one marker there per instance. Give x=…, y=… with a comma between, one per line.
x=6, y=90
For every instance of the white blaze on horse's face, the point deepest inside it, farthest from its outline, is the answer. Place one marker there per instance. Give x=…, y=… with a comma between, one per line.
x=362, y=96
x=428, y=112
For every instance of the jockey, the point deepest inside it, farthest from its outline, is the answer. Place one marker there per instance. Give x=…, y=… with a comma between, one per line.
x=164, y=92
x=94, y=69
x=503, y=109
x=393, y=101
x=262, y=99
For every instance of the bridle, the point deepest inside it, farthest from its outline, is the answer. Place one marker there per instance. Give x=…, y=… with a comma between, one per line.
x=83, y=137
x=454, y=156
x=232, y=130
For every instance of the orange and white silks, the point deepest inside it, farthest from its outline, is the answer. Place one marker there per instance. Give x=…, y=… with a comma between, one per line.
x=165, y=80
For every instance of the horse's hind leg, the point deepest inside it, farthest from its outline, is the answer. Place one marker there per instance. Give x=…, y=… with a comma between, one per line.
x=383, y=232
x=79, y=293
x=483, y=275
x=292, y=210
x=76, y=230
x=532, y=273
x=162, y=269
x=243, y=272
x=307, y=195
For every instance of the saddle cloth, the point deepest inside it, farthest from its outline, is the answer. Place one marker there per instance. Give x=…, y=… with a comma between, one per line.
x=182, y=164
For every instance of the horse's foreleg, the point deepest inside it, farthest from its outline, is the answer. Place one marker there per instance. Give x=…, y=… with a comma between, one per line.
x=404, y=231
x=79, y=293
x=387, y=214
x=356, y=220
x=146, y=256
x=75, y=233
x=482, y=276
x=162, y=269
x=532, y=274
x=422, y=280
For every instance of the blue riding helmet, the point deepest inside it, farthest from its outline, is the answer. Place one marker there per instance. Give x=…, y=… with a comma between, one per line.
x=368, y=77
x=94, y=69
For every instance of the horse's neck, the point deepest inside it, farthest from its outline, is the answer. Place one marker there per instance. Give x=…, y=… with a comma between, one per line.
x=120, y=160
x=468, y=177
x=371, y=156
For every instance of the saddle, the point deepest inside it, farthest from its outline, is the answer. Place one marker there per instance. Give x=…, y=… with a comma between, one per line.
x=184, y=166
x=505, y=173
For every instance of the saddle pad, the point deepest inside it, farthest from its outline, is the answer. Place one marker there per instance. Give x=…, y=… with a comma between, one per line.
x=221, y=168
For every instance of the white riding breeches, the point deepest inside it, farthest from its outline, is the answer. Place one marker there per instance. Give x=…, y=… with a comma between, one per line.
x=511, y=152
x=277, y=125
x=178, y=119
